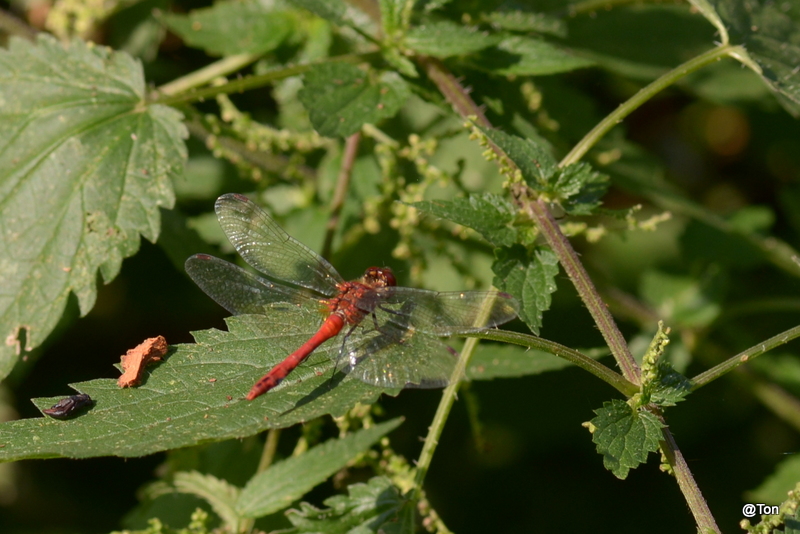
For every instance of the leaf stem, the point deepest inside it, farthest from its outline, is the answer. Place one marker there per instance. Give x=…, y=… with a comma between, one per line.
x=645, y=94
x=743, y=357
x=442, y=412
x=249, y=82
x=599, y=370
x=223, y=67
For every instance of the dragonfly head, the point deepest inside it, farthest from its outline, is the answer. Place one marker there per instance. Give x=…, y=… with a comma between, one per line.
x=378, y=277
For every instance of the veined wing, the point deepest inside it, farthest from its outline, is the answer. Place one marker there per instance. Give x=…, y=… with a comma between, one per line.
x=446, y=313
x=265, y=246
x=238, y=291
x=396, y=357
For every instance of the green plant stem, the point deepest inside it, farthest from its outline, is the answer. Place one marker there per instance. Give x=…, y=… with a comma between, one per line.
x=775, y=250
x=599, y=370
x=251, y=82
x=691, y=492
x=540, y=213
x=645, y=94
x=585, y=287
x=268, y=453
x=442, y=412
x=743, y=357
x=223, y=67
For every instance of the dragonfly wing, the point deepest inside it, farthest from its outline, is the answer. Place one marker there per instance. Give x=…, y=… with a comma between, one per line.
x=446, y=313
x=236, y=290
x=267, y=247
x=398, y=358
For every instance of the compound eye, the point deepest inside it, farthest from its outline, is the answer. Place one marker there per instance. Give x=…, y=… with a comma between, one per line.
x=380, y=277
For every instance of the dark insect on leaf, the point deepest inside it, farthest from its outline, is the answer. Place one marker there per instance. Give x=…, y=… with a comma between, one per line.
x=66, y=408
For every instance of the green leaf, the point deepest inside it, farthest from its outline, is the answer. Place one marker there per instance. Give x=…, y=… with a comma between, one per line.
x=197, y=395
x=444, y=39
x=535, y=161
x=770, y=32
x=288, y=480
x=492, y=361
x=490, y=215
x=338, y=12
x=85, y=166
x=529, y=277
x=526, y=56
x=230, y=28
x=221, y=495
x=661, y=384
x=579, y=188
x=624, y=436
x=370, y=507
x=778, y=484
x=331, y=10
x=391, y=15
x=526, y=21
x=341, y=98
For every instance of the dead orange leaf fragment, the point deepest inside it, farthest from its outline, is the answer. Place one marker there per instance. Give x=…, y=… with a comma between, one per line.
x=133, y=363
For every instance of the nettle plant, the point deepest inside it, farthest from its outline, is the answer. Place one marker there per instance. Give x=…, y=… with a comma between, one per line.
x=463, y=142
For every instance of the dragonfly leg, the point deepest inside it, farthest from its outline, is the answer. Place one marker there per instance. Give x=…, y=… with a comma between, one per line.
x=341, y=352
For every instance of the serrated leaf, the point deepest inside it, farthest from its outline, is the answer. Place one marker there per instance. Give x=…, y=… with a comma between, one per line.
x=535, y=161
x=528, y=276
x=492, y=361
x=85, y=167
x=229, y=28
x=624, y=436
x=672, y=387
x=526, y=56
x=579, y=188
x=288, y=480
x=770, y=32
x=196, y=395
x=370, y=507
x=445, y=39
x=488, y=214
x=341, y=98
x=218, y=493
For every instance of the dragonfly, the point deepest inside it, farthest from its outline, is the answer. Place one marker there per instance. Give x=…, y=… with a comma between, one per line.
x=388, y=336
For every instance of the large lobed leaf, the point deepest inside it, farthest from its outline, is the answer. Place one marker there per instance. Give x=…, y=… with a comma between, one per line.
x=85, y=165
x=197, y=395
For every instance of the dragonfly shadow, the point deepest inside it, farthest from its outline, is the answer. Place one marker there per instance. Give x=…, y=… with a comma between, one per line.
x=318, y=391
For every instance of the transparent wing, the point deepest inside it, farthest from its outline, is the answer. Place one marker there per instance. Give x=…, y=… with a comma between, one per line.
x=445, y=313
x=269, y=249
x=394, y=357
x=237, y=290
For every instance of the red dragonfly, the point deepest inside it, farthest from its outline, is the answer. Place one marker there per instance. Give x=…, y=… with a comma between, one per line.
x=389, y=333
